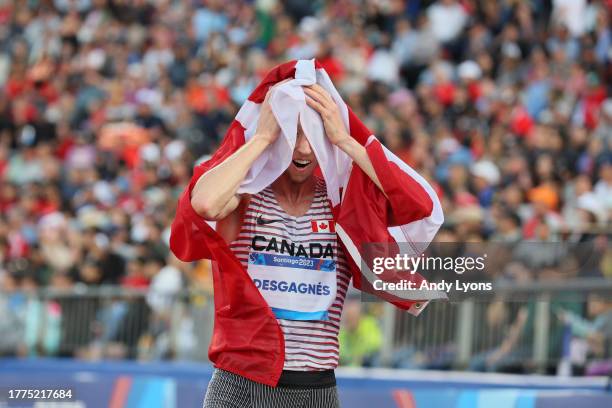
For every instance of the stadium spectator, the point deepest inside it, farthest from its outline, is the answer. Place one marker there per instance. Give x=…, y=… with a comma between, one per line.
x=360, y=337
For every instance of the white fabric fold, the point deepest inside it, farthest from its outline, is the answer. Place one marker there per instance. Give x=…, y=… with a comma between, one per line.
x=288, y=103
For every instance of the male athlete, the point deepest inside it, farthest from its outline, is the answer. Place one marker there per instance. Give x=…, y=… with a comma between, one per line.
x=281, y=270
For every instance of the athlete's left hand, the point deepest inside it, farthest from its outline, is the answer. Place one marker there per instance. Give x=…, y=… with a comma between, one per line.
x=320, y=100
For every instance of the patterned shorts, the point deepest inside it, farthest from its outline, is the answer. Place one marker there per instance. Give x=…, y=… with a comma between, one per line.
x=228, y=390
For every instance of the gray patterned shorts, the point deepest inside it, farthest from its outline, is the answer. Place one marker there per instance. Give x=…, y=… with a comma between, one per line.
x=228, y=390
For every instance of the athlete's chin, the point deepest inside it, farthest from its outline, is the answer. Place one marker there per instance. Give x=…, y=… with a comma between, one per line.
x=299, y=177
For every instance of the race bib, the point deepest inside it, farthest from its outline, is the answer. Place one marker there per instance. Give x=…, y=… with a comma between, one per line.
x=296, y=288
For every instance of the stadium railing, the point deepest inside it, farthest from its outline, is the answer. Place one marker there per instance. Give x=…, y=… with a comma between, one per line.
x=518, y=330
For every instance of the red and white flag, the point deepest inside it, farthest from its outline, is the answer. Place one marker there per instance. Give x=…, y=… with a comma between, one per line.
x=247, y=339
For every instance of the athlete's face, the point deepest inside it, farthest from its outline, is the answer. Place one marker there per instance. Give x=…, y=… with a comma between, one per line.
x=303, y=161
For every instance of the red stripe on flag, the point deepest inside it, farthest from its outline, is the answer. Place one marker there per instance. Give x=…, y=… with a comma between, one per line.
x=315, y=226
x=358, y=130
x=277, y=74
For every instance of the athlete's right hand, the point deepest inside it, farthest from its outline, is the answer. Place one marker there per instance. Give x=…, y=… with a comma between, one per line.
x=267, y=126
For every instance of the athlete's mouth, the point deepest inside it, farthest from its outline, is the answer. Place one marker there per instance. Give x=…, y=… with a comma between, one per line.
x=300, y=164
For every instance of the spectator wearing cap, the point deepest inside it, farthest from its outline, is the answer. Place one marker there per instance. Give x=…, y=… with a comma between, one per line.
x=486, y=177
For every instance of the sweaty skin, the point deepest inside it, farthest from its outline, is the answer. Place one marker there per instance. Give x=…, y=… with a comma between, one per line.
x=215, y=197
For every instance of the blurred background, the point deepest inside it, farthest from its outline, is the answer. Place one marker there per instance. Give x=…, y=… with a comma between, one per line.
x=106, y=105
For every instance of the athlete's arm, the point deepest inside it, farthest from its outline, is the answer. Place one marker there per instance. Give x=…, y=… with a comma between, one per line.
x=214, y=195
x=321, y=101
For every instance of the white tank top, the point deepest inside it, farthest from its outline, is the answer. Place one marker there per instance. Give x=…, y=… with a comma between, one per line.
x=269, y=236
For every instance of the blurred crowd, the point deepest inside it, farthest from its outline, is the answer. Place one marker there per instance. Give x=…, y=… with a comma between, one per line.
x=106, y=105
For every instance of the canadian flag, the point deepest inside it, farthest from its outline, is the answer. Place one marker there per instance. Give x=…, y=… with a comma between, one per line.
x=323, y=226
x=404, y=209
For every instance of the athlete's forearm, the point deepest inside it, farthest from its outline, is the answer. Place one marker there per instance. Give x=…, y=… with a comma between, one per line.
x=214, y=194
x=360, y=156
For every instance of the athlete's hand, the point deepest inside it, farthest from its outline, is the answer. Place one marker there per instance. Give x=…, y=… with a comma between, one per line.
x=320, y=100
x=267, y=126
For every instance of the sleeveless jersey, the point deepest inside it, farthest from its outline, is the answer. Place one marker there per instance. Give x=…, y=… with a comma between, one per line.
x=270, y=240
